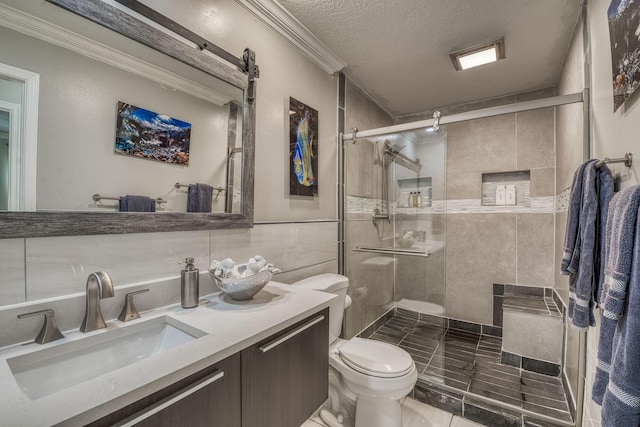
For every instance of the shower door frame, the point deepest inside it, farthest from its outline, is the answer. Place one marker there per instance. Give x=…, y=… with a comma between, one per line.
x=554, y=101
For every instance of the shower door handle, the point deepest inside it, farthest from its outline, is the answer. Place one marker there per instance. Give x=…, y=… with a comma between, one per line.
x=388, y=251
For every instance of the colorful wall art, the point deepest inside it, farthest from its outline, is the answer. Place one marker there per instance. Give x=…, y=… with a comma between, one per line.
x=624, y=21
x=148, y=135
x=303, y=149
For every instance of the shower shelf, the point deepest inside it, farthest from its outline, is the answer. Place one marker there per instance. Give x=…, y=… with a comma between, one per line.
x=389, y=251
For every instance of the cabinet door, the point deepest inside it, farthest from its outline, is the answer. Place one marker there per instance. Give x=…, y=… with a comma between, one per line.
x=210, y=397
x=285, y=377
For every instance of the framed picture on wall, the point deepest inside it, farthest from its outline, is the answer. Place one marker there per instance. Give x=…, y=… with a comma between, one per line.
x=624, y=20
x=148, y=135
x=303, y=149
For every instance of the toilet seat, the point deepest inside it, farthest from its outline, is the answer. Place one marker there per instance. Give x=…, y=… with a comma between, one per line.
x=375, y=358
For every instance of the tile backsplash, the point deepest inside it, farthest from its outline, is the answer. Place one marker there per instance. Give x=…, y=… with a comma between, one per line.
x=55, y=269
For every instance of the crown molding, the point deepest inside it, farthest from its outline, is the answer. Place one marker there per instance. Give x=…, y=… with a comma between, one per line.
x=272, y=14
x=22, y=22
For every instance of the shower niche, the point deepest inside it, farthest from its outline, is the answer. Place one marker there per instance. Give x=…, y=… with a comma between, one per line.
x=506, y=188
x=414, y=192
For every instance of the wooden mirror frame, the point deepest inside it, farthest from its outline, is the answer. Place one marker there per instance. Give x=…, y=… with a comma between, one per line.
x=243, y=75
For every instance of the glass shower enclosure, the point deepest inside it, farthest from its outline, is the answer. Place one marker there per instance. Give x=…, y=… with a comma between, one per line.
x=394, y=224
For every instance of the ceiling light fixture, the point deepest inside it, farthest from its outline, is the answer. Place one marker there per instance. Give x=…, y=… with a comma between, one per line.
x=478, y=55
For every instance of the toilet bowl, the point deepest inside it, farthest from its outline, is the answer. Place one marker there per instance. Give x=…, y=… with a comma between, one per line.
x=367, y=378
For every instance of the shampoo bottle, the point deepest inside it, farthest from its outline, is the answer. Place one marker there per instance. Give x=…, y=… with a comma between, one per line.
x=190, y=285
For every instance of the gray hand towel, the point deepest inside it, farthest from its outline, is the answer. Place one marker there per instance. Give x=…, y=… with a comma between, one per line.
x=199, y=198
x=619, y=260
x=131, y=203
x=617, y=386
x=605, y=194
x=597, y=189
x=571, y=240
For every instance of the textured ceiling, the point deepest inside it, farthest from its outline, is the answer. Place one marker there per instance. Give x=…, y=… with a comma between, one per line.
x=398, y=51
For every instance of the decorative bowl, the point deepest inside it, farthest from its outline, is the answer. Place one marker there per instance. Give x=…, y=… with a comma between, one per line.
x=242, y=288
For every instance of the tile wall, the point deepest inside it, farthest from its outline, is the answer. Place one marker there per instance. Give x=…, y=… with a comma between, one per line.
x=59, y=266
x=498, y=244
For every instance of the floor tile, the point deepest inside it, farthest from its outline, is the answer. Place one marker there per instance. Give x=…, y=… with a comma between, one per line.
x=450, y=359
x=495, y=395
x=514, y=394
x=545, y=401
x=511, y=382
x=427, y=392
x=549, y=393
x=561, y=415
x=417, y=414
x=436, y=378
x=461, y=376
x=315, y=417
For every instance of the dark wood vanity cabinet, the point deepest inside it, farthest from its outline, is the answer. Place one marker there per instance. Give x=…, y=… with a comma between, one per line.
x=285, y=377
x=210, y=397
x=278, y=382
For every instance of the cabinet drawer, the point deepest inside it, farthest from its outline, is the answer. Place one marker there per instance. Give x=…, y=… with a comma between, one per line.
x=210, y=397
x=285, y=377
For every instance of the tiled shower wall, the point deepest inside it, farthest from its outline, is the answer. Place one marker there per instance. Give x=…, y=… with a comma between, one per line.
x=37, y=268
x=487, y=245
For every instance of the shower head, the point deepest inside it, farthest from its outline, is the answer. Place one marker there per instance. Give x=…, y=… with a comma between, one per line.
x=391, y=150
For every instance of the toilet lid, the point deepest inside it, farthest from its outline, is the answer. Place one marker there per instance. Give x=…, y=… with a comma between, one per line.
x=375, y=358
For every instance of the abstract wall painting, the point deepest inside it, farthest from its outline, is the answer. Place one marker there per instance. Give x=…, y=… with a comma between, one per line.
x=624, y=21
x=148, y=135
x=303, y=149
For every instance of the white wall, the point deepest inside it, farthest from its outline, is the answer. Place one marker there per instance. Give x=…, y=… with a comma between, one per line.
x=612, y=135
x=284, y=73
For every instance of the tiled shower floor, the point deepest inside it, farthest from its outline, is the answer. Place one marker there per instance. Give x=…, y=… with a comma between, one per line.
x=467, y=365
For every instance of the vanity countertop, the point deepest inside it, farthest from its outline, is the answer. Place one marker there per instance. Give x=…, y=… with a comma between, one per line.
x=230, y=326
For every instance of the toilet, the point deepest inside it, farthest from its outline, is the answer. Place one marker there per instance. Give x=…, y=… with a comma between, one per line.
x=367, y=378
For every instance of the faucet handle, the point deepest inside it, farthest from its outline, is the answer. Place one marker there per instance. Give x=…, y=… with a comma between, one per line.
x=129, y=311
x=49, y=331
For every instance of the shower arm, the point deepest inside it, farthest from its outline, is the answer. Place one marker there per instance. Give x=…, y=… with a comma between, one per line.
x=409, y=163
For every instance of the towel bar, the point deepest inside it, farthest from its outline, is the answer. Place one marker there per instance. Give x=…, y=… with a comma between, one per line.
x=97, y=197
x=389, y=251
x=218, y=189
x=627, y=159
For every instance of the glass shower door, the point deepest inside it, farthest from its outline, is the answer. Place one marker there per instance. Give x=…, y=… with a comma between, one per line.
x=419, y=222
x=394, y=225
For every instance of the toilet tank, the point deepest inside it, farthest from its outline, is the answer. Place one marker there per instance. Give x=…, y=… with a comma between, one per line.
x=334, y=284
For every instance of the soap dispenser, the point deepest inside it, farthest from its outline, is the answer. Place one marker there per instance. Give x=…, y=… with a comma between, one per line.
x=190, y=284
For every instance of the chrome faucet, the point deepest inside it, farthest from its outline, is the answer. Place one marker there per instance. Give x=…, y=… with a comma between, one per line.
x=99, y=286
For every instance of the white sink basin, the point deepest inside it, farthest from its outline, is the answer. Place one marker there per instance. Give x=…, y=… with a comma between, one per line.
x=47, y=371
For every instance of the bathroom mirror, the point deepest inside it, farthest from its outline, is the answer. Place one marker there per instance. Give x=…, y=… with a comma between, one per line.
x=88, y=75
